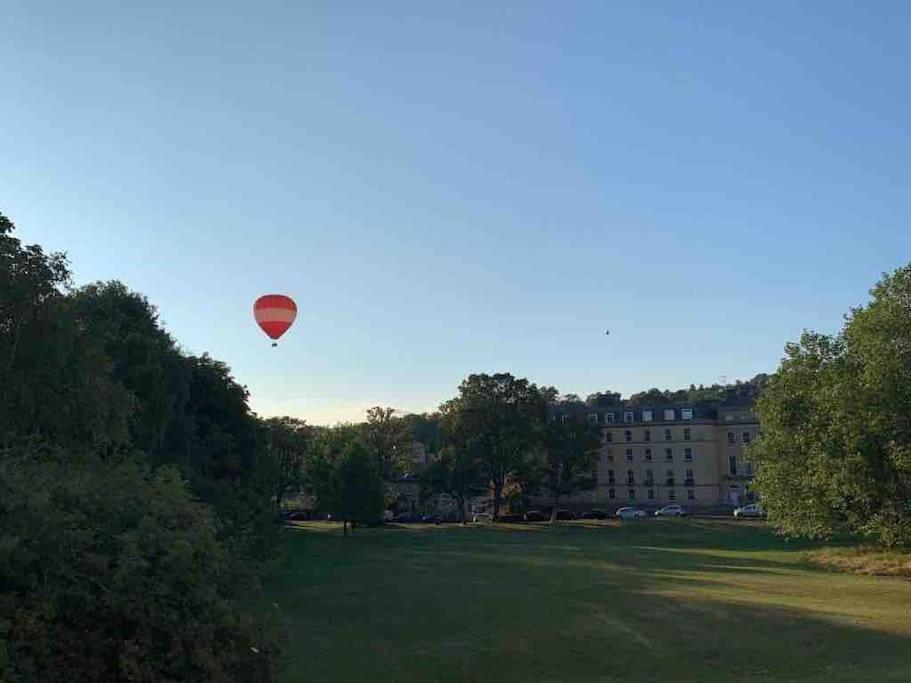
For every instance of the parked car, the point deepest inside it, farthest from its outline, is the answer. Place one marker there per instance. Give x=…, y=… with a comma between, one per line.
x=595, y=514
x=630, y=513
x=406, y=518
x=511, y=518
x=433, y=519
x=751, y=510
x=670, y=511
x=482, y=518
x=563, y=513
x=535, y=516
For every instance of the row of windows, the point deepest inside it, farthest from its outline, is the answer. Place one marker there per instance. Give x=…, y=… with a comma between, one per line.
x=671, y=494
x=732, y=465
x=644, y=416
x=745, y=437
x=650, y=479
x=647, y=453
x=647, y=435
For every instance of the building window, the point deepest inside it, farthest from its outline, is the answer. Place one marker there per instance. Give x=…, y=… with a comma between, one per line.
x=730, y=437
x=669, y=414
x=593, y=418
x=564, y=418
x=646, y=415
x=746, y=437
x=627, y=417
x=648, y=478
x=609, y=437
x=632, y=494
x=610, y=455
x=732, y=463
x=610, y=493
x=690, y=495
x=651, y=494
x=686, y=433
x=647, y=434
x=728, y=418
x=668, y=454
x=610, y=476
x=628, y=435
x=609, y=418
x=690, y=478
x=669, y=478
x=671, y=495
x=686, y=414
x=688, y=454
x=667, y=434
x=749, y=469
x=630, y=478
x=629, y=455
x=648, y=454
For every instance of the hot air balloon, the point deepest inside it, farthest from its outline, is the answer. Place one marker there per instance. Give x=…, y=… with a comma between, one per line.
x=274, y=313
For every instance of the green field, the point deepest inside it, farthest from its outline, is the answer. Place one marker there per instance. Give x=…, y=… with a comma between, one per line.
x=654, y=600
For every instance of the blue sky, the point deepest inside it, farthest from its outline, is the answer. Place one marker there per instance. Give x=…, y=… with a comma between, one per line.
x=448, y=188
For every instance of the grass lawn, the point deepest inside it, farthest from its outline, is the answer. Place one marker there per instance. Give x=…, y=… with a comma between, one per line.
x=697, y=600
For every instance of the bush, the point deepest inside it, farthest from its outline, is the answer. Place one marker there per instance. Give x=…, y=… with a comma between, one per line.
x=114, y=572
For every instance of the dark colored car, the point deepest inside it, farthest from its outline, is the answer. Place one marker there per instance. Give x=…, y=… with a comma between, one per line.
x=406, y=518
x=595, y=514
x=563, y=513
x=535, y=516
x=432, y=519
x=511, y=518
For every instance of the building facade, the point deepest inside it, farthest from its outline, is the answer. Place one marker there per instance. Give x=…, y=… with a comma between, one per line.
x=691, y=454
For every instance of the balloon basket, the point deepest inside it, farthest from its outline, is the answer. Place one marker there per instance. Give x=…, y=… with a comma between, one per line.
x=274, y=344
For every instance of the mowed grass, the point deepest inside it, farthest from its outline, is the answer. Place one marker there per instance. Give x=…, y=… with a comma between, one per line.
x=695, y=600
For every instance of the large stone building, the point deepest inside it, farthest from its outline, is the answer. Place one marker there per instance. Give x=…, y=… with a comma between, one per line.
x=690, y=454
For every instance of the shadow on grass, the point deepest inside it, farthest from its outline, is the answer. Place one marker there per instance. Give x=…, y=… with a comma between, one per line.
x=650, y=602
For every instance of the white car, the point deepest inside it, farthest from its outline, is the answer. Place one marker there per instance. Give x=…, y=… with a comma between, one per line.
x=482, y=518
x=630, y=513
x=752, y=510
x=670, y=511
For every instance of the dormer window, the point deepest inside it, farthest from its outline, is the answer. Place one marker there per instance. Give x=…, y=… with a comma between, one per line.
x=646, y=415
x=686, y=414
x=627, y=417
x=669, y=414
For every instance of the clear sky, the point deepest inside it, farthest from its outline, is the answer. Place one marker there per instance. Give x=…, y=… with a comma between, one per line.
x=457, y=187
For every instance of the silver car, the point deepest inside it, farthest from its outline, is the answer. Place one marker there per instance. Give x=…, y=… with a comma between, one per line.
x=670, y=511
x=752, y=510
x=630, y=513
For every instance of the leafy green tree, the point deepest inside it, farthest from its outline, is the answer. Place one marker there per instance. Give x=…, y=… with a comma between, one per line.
x=495, y=418
x=345, y=480
x=387, y=436
x=835, y=453
x=114, y=572
x=569, y=452
x=456, y=473
x=288, y=443
x=55, y=380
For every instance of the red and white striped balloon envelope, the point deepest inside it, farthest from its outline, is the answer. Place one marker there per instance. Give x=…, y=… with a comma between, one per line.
x=275, y=313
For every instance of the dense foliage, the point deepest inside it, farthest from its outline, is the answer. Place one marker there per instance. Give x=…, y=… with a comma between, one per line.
x=835, y=454
x=136, y=493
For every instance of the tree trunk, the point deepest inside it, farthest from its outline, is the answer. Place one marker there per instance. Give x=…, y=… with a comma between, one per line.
x=553, y=513
x=497, y=497
x=461, y=503
x=345, y=527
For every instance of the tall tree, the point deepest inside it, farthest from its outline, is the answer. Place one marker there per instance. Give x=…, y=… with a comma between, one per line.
x=569, y=452
x=456, y=473
x=835, y=452
x=495, y=418
x=288, y=442
x=386, y=435
x=345, y=480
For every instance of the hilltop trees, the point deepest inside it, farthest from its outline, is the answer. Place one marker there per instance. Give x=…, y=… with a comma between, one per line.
x=835, y=454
